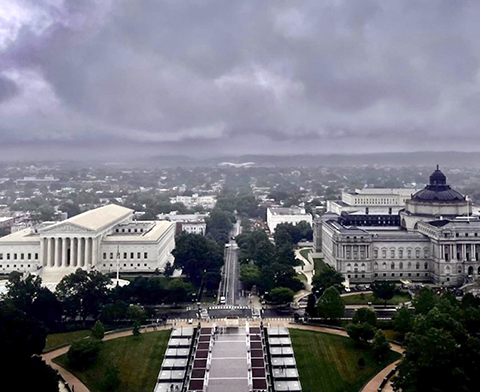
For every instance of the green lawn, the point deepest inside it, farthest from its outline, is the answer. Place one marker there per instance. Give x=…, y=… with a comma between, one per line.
x=319, y=265
x=305, y=252
x=137, y=358
x=364, y=299
x=58, y=339
x=329, y=363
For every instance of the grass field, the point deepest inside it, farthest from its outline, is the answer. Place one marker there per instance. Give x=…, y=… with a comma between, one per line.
x=329, y=363
x=305, y=252
x=364, y=299
x=137, y=358
x=319, y=265
x=58, y=339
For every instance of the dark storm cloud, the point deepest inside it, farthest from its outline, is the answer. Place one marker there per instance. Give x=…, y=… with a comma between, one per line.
x=213, y=77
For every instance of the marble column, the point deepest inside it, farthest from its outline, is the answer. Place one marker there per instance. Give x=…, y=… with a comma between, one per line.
x=88, y=252
x=42, y=252
x=64, y=252
x=73, y=252
x=50, y=252
x=80, y=259
x=58, y=252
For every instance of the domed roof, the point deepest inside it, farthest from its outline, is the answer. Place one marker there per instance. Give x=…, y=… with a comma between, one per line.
x=438, y=190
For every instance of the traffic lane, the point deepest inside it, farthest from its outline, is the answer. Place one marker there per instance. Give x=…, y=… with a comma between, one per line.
x=221, y=313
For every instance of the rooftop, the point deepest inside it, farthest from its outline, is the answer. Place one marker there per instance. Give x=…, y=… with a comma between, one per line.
x=154, y=234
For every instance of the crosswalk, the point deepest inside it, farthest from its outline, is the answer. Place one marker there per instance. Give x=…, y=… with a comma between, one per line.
x=228, y=307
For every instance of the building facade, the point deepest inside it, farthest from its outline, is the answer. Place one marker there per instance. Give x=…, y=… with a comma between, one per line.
x=293, y=215
x=94, y=239
x=435, y=239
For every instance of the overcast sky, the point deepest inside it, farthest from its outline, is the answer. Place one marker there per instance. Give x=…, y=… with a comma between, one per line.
x=203, y=77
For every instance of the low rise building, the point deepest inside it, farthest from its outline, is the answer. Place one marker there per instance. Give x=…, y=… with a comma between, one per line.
x=294, y=215
x=96, y=239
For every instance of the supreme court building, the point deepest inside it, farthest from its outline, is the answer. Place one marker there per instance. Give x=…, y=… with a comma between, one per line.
x=97, y=239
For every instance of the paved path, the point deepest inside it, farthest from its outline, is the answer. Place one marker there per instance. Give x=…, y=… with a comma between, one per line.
x=69, y=377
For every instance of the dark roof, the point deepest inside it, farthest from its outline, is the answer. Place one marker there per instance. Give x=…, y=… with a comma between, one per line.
x=438, y=190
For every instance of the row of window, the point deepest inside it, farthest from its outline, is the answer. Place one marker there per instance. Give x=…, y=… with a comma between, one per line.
x=15, y=266
x=19, y=256
x=401, y=253
x=129, y=230
x=362, y=266
x=448, y=235
x=125, y=255
x=131, y=265
x=393, y=274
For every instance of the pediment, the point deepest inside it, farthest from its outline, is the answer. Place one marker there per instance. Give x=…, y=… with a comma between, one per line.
x=66, y=227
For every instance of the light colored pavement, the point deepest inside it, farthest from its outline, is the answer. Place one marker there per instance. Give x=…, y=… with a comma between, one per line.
x=69, y=377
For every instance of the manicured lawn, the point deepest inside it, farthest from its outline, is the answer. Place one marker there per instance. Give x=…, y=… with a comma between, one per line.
x=58, y=339
x=319, y=265
x=137, y=358
x=305, y=252
x=364, y=299
x=329, y=363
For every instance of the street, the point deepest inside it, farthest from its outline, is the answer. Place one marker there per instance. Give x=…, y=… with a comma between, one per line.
x=231, y=288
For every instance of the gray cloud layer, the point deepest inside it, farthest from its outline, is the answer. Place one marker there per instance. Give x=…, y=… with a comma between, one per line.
x=212, y=77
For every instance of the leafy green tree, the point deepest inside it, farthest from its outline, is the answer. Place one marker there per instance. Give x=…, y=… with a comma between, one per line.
x=113, y=311
x=380, y=346
x=250, y=276
x=327, y=278
x=361, y=332
x=83, y=293
x=383, y=290
x=39, y=303
x=98, y=330
x=136, y=314
x=70, y=208
x=281, y=295
x=178, y=291
x=311, y=306
x=219, y=224
x=365, y=315
x=330, y=305
x=83, y=353
x=403, y=321
x=169, y=269
x=197, y=255
x=425, y=300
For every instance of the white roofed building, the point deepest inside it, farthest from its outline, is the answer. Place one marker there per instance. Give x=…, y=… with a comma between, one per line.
x=92, y=240
x=294, y=215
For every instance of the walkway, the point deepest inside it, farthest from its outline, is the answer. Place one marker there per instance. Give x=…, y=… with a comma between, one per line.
x=69, y=377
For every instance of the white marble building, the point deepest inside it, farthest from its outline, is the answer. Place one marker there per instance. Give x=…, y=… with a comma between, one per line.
x=438, y=240
x=294, y=215
x=93, y=239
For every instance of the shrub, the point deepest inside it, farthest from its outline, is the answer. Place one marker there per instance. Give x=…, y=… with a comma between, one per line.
x=82, y=354
x=98, y=330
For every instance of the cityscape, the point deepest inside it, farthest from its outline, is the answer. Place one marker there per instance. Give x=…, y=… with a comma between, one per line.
x=211, y=196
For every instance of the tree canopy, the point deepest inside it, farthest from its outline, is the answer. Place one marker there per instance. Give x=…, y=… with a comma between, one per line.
x=330, y=305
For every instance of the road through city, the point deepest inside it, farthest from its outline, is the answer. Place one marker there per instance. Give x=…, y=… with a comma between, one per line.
x=232, y=290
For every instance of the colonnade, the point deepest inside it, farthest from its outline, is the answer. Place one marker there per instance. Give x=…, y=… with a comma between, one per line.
x=69, y=251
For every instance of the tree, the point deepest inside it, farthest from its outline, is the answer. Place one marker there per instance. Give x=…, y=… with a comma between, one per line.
x=70, y=208
x=383, y=290
x=83, y=293
x=380, y=346
x=327, y=278
x=365, y=315
x=39, y=303
x=98, y=330
x=83, y=353
x=250, y=276
x=113, y=311
x=403, y=321
x=219, y=224
x=281, y=295
x=22, y=340
x=311, y=308
x=169, y=269
x=330, y=305
x=197, y=255
x=425, y=300
x=136, y=314
x=361, y=332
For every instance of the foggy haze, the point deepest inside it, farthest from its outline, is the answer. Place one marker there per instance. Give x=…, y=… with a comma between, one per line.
x=82, y=79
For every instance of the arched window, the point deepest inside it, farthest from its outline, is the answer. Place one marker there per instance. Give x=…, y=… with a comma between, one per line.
x=417, y=265
x=459, y=269
x=355, y=267
x=375, y=266
x=349, y=267
x=401, y=265
x=392, y=266
x=409, y=265
x=384, y=266
x=362, y=268
x=447, y=270
x=426, y=265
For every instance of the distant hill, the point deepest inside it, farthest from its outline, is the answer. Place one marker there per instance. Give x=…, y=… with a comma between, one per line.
x=426, y=158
